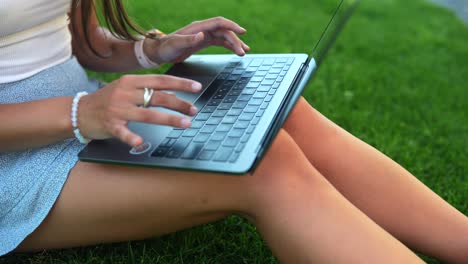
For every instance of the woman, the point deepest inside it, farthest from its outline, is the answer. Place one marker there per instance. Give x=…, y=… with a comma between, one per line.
x=332, y=199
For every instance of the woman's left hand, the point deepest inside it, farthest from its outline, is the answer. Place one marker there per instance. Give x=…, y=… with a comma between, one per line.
x=178, y=46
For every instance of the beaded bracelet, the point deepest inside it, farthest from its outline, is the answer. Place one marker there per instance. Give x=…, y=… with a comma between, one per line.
x=74, y=118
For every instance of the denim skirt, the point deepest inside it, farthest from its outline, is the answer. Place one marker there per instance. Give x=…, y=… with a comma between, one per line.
x=31, y=180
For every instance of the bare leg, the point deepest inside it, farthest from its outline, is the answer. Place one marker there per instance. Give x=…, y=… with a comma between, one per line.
x=381, y=188
x=302, y=217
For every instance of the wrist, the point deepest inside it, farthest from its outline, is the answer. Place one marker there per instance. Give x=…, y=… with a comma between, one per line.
x=151, y=50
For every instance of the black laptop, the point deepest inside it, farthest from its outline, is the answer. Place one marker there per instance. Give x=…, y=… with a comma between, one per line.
x=244, y=103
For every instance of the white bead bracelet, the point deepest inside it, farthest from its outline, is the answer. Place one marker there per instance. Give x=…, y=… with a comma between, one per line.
x=74, y=118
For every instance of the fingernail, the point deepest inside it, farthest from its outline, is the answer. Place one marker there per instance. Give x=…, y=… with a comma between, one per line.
x=193, y=110
x=196, y=86
x=185, y=122
x=243, y=29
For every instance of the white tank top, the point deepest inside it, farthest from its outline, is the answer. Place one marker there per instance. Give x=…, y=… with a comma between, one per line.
x=34, y=36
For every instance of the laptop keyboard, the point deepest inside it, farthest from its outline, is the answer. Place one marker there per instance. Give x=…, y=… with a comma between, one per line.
x=231, y=108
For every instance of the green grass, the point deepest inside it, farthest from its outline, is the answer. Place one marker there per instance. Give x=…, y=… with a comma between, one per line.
x=397, y=78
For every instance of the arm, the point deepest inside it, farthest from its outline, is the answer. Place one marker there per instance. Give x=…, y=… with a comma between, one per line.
x=176, y=47
x=35, y=124
x=118, y=55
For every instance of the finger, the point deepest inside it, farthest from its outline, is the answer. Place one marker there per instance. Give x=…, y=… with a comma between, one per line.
x=160, y=82
x=230, y=36
x=152, y=116
x=213, y=24
x=180, y=42
x=171, y=101
x=125, y=135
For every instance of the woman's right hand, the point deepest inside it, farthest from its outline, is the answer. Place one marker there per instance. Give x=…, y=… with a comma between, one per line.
x=106, y=112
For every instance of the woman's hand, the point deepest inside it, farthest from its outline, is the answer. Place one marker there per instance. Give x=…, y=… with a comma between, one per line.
x=106, y=113
x=180, y=45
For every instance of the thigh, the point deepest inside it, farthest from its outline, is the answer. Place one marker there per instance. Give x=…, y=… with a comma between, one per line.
x=108, y=203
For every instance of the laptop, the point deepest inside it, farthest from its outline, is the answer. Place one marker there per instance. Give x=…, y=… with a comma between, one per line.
x=244, y=104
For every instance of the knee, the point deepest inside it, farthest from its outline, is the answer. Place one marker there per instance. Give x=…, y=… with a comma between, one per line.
x=284, y=177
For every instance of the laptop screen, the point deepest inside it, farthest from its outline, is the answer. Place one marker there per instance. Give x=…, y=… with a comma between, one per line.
x=338, y=19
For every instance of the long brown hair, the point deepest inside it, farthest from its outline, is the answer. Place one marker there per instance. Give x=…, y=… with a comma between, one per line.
x=115, y=17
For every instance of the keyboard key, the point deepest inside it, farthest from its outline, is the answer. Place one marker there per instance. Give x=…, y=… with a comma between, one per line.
x=206, y=155
x=240, y=147
x=256, y=102
x=255, y=120
x=231, y=142
x=224, y=127
x=208, y=129
x=262, y=73
x=160, y=152
x=235, y=92
x=214, y=121
x=234, y=112
x=208, y=109
x=264, y=88
x=274, y=70
x=244, y=97
x=257, y=79
x=268, y=98
x=268, y=82
x=229, y=99
x=246, y=116
x=263, y=106
x=202, y=117
x=234, y=157
x=271, y=76
x=256, y=62
x=248, y=74
x=269, y=61
x=241, y=124
x=202, y=137
x=178, y=147
x=281, y=60
x=260, y=112
x=259, y=95
x=234, y=77
x=239, y=105
x=253, y=84
x=190, y=132
x=220, y=113
x=212, y=145
x=278, y=65
x=249, y=91
x=218, y=136
x=225, y=106
x=229, y=119
x=272, y=92
x=214, y=102
x=276, y=85
x=251, y=109
x=192, y=151
x=236, y=132
x=175, y=133
x=167, y=142
x=245, y=138
x=197, y=124
x=223, y=154
x=250, y=130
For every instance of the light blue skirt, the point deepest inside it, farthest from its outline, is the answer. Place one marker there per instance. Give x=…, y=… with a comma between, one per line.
x=31, y=180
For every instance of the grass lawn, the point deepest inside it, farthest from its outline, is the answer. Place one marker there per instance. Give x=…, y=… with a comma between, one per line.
x=397, y=78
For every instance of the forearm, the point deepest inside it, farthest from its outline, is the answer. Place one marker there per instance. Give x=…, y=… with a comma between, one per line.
x=34, y=124
x=115, y=55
